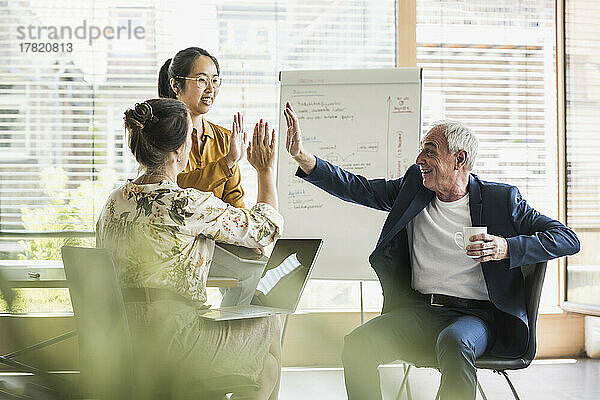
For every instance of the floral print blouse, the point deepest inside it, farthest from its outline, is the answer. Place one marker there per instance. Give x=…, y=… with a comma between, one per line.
x=163, y=236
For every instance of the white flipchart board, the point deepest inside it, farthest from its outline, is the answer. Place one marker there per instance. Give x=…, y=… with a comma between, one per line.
x=365, y=121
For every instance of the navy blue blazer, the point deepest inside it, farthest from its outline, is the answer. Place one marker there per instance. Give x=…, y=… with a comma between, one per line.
x=531, y=236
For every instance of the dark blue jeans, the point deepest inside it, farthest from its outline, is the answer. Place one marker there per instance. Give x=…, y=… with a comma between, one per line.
x=423, y=335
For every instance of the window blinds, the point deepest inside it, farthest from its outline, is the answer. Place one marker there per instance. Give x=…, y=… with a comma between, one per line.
x=582, y=36
x=61, y=136
x=582, y=99
x=62, y=143
x=490, y=64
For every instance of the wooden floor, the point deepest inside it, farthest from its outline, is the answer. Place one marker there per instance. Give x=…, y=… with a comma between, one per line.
x=571, y=379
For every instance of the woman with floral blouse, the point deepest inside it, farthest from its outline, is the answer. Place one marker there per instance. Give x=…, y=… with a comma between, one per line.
x=162, y=239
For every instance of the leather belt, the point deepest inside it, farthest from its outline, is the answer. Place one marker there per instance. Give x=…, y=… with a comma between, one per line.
x=151, y=294
x=442, y=300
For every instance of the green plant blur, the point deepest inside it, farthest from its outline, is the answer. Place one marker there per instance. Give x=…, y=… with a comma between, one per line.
x=73, y=206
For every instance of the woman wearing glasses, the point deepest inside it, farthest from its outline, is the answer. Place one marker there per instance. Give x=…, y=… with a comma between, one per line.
x=193, y=77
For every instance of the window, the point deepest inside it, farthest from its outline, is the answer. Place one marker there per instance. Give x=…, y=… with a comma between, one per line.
x=582, y=63
x=61, y=112
x=62, y=145
x=490, y=64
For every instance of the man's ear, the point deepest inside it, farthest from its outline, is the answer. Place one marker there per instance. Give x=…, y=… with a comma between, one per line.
x=174, y=86
x=461, y=159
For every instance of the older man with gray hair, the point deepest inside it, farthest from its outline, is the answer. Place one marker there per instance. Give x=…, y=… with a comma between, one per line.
x=442, y=304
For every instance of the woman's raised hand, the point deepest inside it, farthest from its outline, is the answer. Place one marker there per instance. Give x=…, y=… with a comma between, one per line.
x=261, y=155
x=262, y=149
x=238, y=141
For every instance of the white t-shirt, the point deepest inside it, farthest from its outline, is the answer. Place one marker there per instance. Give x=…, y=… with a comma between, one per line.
x=438, y=264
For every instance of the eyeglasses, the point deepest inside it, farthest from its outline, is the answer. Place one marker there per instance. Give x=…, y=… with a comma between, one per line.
x=203, y=81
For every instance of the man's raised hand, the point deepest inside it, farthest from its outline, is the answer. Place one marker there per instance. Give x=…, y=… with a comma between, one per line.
x=293, y=141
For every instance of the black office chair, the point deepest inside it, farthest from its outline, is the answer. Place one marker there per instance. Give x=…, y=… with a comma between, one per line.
x=105, y=345
x=533, y=276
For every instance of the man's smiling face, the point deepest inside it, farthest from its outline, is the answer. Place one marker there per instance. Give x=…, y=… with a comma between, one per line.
x=438, y=166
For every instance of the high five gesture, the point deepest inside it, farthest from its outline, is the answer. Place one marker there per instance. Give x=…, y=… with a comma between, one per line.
x=238, y=141
x=293, y=141
x=261, y=155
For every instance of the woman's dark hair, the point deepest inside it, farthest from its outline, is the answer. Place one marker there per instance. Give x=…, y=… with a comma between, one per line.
x=180, y=65
x=156, y=127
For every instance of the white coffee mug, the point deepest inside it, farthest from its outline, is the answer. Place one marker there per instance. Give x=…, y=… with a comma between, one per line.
x=462, y=238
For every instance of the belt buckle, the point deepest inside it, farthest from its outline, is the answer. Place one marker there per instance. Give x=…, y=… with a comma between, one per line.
x=433, y=303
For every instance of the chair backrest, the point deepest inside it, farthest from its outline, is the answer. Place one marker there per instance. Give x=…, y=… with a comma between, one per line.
x=104, y=337
x=533, y=276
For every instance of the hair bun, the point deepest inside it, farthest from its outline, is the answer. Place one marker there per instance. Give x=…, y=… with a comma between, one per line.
x=142, y=113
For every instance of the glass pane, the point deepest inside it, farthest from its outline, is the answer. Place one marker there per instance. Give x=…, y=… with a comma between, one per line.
x=582, y=48
x=322, y=295
x=62, y=143
x=490, y=64
x=38, y=300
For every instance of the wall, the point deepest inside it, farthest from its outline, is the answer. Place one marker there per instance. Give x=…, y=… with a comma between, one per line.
x=317, y=338
x=314, y=339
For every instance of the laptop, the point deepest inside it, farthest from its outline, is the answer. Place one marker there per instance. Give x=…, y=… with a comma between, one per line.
x=280, y=288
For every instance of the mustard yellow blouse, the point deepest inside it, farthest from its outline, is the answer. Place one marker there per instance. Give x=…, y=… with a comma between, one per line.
x=208, y=171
